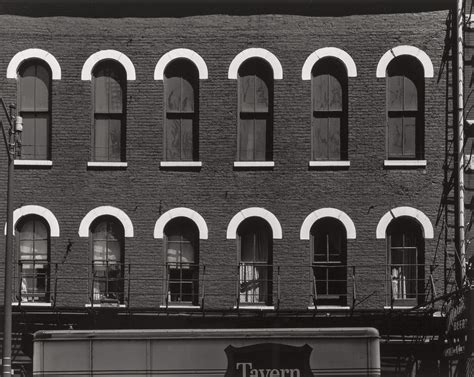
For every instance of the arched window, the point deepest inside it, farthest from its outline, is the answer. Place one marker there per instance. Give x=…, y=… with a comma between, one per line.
x=405, y=109
x=255, y=111
x=329, y=102
x=406, y=270
x=107, y=238
x=34, y=98
x=108, y=131
x=182, y=261
x=181, y=110
x=329, y=262
x=33, y=259
x=255, y=256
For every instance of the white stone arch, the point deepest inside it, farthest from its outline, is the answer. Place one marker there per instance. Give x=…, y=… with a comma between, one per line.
x=323, y=213
x=256, y=53
x=405, y=50
x=178, y=53
x=181, y=212
x=414, y=213
x=98, y=56
x=33, y=53
x=106, y=211
x=269, y=217
x=333, y=52
x=38, y=211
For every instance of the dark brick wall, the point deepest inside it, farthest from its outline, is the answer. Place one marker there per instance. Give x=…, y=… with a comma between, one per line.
x=365, y=191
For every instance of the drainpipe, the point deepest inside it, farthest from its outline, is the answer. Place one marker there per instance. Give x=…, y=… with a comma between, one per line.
x=460, y=132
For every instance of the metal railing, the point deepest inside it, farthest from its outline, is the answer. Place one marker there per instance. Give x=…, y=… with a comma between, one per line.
x=249, y=284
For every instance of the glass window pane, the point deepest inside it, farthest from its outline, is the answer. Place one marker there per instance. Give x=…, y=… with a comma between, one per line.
x=115, y=94
x=409, y=136
x=173, y=252
x=247, y=247
x=27, y=231
x=173, y=93
x=260, y=139
x=246, y=142
x=100, y=250
x=115, y=136
x=395, y=137
x=28, y=137
x=101, y=94
x=334, y=138
x=101, y=139
x=335, y=94
x=26, y=249
x=187, y=96
x=320, y=138
x=42, y=89
x=173, y=139
x=395, y=93
x=41, y=250
x=187, y=253
x=40, y=230
x=261, y=95
x=41, y=136
x=321, y=92
x=186, y=139
x=113, y=251
x=411, y=95
x=27, y=88
x=247, y=93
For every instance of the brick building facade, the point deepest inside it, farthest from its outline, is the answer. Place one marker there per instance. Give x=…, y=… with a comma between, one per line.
x=308, y=185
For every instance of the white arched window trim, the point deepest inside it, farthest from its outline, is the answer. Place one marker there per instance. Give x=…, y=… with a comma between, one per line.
x=256, y=53
x=333, y=52
x=118, y=56
x=405, y=50
x=106, y=211
x=327, y=212
x=33, y=53
x=39, y=211
x=269, y=217
x=177, y=54
x=181, y=212
x=414, y=213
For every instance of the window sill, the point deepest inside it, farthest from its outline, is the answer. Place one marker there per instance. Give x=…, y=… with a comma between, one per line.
x=329, y=307
x=105, y=306
x=401, y=307
x=107, y=165
x=405, y=163
x=32, y=304
x=187, y=307
x=254, y=164
x=180, y=164
x=254, y=307
x=32, y=163
x=329, y=164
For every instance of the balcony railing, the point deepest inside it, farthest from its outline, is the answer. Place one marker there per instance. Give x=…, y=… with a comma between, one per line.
x=239, y=286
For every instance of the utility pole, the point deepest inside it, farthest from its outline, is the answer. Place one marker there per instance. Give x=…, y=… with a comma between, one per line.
x=15, y=127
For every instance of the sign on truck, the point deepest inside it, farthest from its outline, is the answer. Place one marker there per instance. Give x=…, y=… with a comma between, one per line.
x=214, y=352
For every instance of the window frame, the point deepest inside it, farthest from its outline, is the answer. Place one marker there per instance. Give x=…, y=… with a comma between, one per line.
x=116, y=68
x=34, y=297
x=328, y=224
x=188, y=69
x=405, y=226
x=96, y=298
x=409, y=68
x=335, y=68
x=256, y=222
x=261, y=66
x=33, y=160
x=194, y=267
